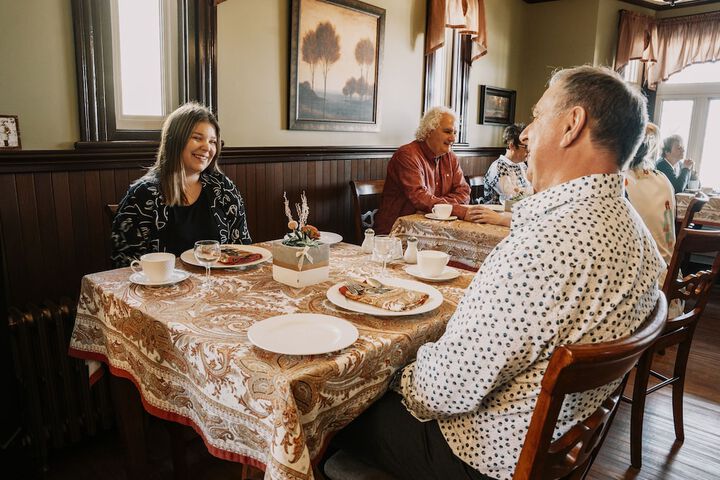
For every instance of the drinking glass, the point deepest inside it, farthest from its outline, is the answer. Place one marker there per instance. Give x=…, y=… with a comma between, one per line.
x=207, y=252
x=383, y=249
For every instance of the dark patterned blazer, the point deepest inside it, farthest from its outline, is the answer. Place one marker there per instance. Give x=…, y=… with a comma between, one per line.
x=140, y=225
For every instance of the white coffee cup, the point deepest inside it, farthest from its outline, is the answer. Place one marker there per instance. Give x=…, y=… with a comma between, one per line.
x=442, y=210
x=432, y=262
x=693, y=184
x=157, y=267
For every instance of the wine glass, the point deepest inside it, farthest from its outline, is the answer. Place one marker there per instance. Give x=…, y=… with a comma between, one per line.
x=383, y=249
x=207, y=252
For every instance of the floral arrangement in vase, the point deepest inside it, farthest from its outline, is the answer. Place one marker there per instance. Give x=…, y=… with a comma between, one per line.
x=301, y=234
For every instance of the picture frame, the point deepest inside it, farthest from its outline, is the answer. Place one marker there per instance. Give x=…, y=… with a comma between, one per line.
x=497, y=106
x=9, y=132
x=336, y=51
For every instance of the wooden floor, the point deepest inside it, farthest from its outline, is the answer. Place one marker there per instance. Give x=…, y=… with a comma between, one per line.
x=697, y=458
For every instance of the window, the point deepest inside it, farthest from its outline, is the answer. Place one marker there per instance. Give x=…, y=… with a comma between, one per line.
x=688, y=104
x=447, y=71
x=633, y=72
x=137, y=60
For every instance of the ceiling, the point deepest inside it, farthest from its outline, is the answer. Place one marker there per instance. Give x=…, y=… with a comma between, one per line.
x=654, y=4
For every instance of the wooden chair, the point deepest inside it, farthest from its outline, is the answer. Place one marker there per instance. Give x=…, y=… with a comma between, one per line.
x=110, y=211
x=694, y=289
x=366, y=200
x=477, y=188
x=572, y=368
x=578, y=368
x=695, y=205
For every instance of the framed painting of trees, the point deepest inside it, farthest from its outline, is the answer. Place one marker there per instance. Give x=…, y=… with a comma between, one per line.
x=335, y=62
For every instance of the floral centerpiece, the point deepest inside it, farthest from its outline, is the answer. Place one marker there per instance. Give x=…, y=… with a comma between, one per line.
x=300, y=259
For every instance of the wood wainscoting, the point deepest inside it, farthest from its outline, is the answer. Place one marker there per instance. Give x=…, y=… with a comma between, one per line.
x=52, y=202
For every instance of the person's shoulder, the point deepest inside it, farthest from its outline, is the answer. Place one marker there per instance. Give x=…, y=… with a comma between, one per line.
x=144, y=186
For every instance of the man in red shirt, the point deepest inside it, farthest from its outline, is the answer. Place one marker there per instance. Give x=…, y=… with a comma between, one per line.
x=424, y=173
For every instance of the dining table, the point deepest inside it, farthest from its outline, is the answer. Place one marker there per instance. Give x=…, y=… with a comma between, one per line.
x=709, y=215
x=467, y=243
x=186, y=349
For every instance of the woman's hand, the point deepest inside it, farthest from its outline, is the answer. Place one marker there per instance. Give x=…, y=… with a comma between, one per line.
x=480, y=214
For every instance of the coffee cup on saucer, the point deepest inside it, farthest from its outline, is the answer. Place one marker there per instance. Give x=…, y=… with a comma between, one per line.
x=156, y=267
x=442, y=210
x=432, y=262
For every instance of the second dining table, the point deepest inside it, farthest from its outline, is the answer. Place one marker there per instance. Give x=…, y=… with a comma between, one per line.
x=186, y=349
x=467, y=243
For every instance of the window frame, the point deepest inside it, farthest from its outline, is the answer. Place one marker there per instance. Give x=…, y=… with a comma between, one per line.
x=197, y=73
x=700, y=94
x=459, y=78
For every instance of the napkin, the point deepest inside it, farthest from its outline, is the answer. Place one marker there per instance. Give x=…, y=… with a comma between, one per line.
x=236, y=256
x=395, y=299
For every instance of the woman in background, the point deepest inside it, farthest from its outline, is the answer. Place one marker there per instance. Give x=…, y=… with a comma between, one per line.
x=652, y=195
x=673, y=153
x=506, y=179
x=184, y=197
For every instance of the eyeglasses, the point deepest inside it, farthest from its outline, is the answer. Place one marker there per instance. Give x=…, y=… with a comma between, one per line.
x=522, y=145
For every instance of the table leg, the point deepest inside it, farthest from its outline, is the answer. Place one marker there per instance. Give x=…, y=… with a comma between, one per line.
x=130, y=415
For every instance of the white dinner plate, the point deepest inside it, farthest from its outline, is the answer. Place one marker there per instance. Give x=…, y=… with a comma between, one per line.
x=303, y=334
x=330, y=238
x=447, y=274
x=189, y=257
x=433, y=217
x=496, y=208
x=436, y=299
x=175, y=277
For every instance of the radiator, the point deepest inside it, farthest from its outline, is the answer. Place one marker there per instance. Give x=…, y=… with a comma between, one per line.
x=58, y=405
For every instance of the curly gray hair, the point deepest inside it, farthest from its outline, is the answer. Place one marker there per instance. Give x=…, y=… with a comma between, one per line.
x=431, y=120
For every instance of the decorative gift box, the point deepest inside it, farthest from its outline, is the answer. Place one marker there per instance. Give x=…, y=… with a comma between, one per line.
x=300, y=266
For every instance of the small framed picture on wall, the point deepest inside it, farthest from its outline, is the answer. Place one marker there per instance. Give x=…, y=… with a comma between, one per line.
x=9, y=132
x=497, y=106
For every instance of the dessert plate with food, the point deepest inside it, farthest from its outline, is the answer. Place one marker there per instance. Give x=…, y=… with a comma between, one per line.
x=232, y=256
x=385, y=297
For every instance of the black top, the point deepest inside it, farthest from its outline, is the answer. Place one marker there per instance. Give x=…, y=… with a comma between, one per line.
x=680, y=181
x=190, y=223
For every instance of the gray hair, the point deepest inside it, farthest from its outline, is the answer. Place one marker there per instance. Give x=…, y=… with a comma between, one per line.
x=617, y=112
x=431, y=120
x=511, y=134
x=669, y=142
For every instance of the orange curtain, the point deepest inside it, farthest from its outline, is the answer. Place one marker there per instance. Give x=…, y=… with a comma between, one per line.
x=468, y=16
x=667, y=45
x=636, y=39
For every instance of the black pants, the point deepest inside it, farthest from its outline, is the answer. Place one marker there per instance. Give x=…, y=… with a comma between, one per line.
x=390, y=438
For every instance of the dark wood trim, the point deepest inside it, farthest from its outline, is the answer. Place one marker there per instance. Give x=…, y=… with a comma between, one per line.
x=653, y=6
x=93, y=57
x=142, y=155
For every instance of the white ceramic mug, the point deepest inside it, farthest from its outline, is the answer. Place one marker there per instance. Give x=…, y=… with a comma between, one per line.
x=157, y=267
x=432, y=262
x=442, y=210
x=693, y=184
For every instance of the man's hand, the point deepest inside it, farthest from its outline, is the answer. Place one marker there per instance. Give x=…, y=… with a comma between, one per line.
x=480, y=214
x=687, y=163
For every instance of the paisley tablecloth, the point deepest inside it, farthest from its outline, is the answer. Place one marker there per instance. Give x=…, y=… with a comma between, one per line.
x=186, y=349
x=709, y=215
x=465, y=242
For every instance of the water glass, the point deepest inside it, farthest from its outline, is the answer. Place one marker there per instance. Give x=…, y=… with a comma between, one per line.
x=207, y=252
x=383, y=249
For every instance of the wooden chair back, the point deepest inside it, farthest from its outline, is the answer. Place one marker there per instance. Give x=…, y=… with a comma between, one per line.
x=366, y=196
x=477, y=188
x=694, y=290
x=696, y=204
x=110, y=211
x=578, y=368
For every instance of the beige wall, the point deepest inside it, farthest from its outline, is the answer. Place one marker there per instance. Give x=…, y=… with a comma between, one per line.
x=37, y=77
x=557, y=34
x=526, y=42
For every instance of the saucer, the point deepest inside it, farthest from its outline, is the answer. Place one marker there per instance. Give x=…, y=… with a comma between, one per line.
x=447, y=274
x=433, y=217
x=176, y=276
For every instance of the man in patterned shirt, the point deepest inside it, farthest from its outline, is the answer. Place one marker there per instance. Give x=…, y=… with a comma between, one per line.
x=578, y=267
